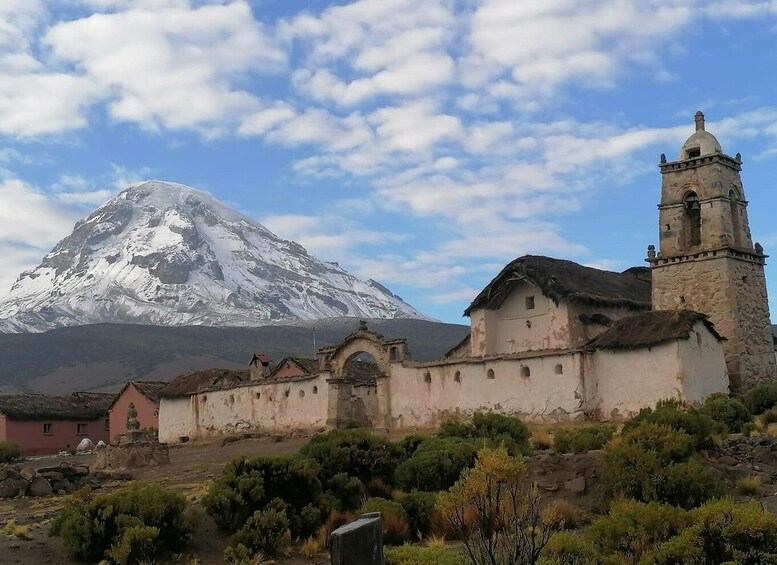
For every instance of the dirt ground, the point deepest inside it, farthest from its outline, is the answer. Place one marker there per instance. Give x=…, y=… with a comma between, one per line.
x=191, y=468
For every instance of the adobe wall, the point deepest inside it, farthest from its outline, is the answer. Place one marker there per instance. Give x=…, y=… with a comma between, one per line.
x=33, y=441
x=2, y=428
x=273, y=406
x=704, y=365
x=423, y=395
x=512, y=328
x=622, y=382
x=148, y=412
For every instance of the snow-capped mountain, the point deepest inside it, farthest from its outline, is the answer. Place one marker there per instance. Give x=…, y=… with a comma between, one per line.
x=166, y=254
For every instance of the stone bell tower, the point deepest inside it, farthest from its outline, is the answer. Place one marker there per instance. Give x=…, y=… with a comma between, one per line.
x=706, y=260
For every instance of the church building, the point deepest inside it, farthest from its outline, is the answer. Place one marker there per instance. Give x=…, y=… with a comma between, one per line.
x=550, y=340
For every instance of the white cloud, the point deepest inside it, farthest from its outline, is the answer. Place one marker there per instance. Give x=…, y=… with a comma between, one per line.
x=169, y=65
x=328, y=236
x=390, y=47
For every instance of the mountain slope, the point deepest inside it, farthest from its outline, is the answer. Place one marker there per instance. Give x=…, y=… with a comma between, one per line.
x=105, y=356
x=167, y=254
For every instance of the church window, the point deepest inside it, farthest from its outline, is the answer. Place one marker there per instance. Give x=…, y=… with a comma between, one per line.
x=692, y=219
x=302, y=394
x=559, y=369
x=427, y=377
x=457, y=376
x=490, y=374
x=315, y=390
x=693, y=152
x=525, y=371
x=530, y=303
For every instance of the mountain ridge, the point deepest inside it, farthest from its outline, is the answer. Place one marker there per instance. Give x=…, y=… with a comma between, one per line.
x=105, y=356
x=163, y=253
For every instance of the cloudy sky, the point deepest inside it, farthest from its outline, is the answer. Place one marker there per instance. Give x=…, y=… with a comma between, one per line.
x=420, y=143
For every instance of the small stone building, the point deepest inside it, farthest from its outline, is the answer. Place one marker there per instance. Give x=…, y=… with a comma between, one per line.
x=550, y=340
x=43, y=424
x=145, y=396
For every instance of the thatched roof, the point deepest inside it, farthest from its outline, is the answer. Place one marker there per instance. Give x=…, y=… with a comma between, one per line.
x=201, y=381
x=308, y=366
x=562, y=280
x=77, y=406
x=650, y=328
x=149, y=389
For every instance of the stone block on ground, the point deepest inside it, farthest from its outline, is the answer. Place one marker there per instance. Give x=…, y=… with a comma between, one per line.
x=358, y=543
x=39, y=486
x=13, y=486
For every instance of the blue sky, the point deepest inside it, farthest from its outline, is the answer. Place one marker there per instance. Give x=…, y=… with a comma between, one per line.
x=423, y=144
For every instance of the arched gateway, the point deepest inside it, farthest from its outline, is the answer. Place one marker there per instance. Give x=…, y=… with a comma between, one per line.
x=357, y=372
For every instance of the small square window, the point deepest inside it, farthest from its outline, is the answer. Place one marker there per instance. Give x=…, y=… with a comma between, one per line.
x=81, y=429
x=48, y=429
x=530, y=303
x=107, y=424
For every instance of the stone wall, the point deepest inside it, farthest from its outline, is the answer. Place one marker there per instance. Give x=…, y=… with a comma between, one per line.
x=730, y=290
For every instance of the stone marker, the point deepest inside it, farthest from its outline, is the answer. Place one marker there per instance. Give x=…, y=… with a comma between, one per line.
x=358, y=543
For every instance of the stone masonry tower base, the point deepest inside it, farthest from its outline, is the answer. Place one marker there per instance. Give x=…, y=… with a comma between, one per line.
x=707, y=261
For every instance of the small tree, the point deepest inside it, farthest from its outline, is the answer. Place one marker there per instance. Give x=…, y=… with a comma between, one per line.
x=499, y=519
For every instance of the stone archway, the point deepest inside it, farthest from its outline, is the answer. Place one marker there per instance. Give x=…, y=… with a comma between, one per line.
x=359, y=395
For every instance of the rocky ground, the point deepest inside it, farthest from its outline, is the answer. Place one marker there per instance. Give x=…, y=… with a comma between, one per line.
x=573, y=479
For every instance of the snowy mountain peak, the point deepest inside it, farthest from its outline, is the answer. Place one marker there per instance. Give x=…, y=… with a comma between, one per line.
x=167, y=254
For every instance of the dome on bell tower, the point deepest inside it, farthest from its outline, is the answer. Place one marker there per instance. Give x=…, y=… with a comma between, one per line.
x=701, y=143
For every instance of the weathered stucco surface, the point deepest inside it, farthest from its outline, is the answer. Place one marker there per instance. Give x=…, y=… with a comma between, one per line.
x=148, y=412
x=276, y=406
x=621, y=382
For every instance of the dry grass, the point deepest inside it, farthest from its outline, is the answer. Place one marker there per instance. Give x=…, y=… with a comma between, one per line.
x=442, y=526
x=769, y=417
x=571, y=514
x=541, y=440
x=310, y=548
x=771, y=430
x=749, y=486
x=436, y=541
x=396, y=530
x=333, y=521
x=12, y=529
x=377, y=488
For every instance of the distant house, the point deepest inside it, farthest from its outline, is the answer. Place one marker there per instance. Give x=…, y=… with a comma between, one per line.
x=145, y=396
x=294, y=367
x=43, y=424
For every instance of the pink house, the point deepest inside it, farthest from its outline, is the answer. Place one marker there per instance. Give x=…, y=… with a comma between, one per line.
x=145, y=396
x=294, y=367
x=43, y=424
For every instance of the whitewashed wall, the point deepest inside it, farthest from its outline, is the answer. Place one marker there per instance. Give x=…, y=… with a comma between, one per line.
x=418, y=401
x=284, y=405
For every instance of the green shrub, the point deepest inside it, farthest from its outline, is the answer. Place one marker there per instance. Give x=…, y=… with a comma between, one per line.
x=566, y=548
x=359, y=454
x=722, y=532
x=498, y=429
x=125, y=526
x=266, y=532
x=346, y=492
x=769, y=416
x=419, y=507
x=396, y=529
x=246, y=486
x=633, y=528
x=727, y=411
x=673, y=415
x=10, y=451
x=586, y=438
x=654, y=463
x=436, y=464
x=409, y=444
x=761, y=398
x=417, y=555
